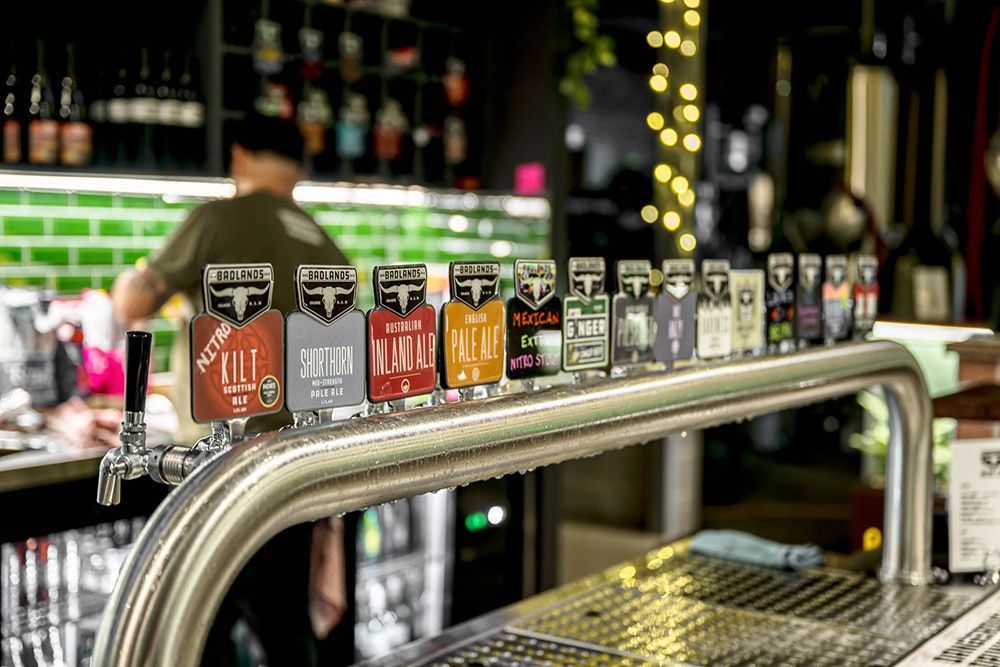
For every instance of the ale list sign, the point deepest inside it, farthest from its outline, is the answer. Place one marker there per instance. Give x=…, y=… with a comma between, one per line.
x=586, y=317
x=236, y=349
x=472, y=325
x=534, y=332
x=402, y=346
x=325, y=348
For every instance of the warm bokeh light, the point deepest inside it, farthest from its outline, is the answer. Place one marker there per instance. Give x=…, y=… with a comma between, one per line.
x=672, y=38
x=658, y=82
x=672, y=220
x=663, y=173
x=688, y=91
x=686, y=198
x=655, y=121
x=669, y=136
x=692, y=142
x=655, y=39
x=679, y=185
x=687, y=242
x=649, y=213
x=691, y=113
x=693, y=4
x=661, y=69
x=688, y=48
x=692, y=18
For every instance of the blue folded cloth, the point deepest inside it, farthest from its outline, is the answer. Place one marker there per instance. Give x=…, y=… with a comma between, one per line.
x=752, y=550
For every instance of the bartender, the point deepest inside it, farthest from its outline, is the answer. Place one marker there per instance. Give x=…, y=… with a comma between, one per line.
x=291, y=591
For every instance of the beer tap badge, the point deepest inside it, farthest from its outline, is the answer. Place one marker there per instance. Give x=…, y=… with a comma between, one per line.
x=780, y=299
x=236, y=348
x=325, y=346
x=326, y=292
x=534, y=281
x=402, y=335
x=586, y=316
x=586, y=277
x=865, y=295
x=715, y=312
x=809, y=299
x=836, y=299
x=237, y=293
x=746, y=289
x=401, y=289
x=633, y=326
x=472, y=325
x=675, y=312
x=534, y=316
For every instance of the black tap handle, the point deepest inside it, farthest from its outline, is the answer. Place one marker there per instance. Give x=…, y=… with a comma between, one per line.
x=137, y=347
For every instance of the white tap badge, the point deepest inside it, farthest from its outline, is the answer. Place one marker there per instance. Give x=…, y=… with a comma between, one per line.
x=715, y=312
x=237, y=293
x=746, y=290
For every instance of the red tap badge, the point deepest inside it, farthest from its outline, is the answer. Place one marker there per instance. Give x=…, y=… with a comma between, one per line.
x=402, y=335
x=236, y=347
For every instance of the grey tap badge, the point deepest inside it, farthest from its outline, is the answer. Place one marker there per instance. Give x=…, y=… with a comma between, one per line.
x=326, y=292
x=586, y=277
x=474, y=283
x=678, y=277
x=237, y=293
x=402, y=288
x=810, y=270
x=780, y=271
x=633, y=276
x=534, y=281
x=715, y=278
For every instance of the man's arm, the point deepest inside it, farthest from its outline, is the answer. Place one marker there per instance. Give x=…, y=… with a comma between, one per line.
x=137, y=294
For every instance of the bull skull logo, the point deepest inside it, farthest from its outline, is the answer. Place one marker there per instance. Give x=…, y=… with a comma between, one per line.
x=715, y=279
x=991, y=462
x=402, y=293
x=474, y=283
x=237, y=293
x=809, y=268
x=678, y=276
x=633, y=277
x=240, y=296
x=836, y=269
x=326, y=292
x=586, y=276
x=746, y=303
x=779, y=271
x=535, y=281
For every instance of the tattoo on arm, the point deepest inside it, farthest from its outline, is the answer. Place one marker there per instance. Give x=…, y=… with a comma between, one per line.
x=145, y=293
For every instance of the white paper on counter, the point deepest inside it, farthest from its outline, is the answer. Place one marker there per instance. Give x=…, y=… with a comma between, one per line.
x=974, y=505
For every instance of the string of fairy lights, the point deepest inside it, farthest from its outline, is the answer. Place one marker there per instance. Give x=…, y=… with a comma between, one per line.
x=675, y=78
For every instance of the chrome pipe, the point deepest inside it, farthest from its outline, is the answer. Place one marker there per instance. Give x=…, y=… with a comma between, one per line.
x=206, y=530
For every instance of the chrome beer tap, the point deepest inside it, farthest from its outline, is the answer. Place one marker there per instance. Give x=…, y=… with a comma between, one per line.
x=168, y=464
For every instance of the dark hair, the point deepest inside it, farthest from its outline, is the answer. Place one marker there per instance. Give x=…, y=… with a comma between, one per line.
x=258, y=133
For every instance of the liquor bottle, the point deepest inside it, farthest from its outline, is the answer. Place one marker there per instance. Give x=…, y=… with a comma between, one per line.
x=191, y=143
x=168, y=114
x=390, y=126
x=315, y=117
x=352, y=127
x=13, y=151
x=43, y=129
x=76, y=138
x=143, y=115
x=117, y=126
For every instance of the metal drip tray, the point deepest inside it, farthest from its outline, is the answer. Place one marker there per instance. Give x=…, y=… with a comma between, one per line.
x=674, y=608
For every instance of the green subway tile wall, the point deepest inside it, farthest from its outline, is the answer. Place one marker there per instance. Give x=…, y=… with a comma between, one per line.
x=68, y=241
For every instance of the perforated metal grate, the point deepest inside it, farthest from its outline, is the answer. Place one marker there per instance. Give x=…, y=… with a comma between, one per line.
x=675, y=608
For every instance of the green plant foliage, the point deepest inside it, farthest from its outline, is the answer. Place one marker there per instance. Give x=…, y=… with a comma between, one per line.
x=875, y=440
x=589, y=50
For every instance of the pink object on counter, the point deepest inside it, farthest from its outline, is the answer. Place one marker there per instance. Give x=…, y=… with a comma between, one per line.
x=105, y=370
x=529, y=178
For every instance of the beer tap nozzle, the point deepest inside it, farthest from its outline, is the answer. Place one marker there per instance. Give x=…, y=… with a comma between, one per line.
x=130, y=459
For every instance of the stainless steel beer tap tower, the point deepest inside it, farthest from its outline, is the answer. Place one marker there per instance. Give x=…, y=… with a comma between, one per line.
x=204, y=532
